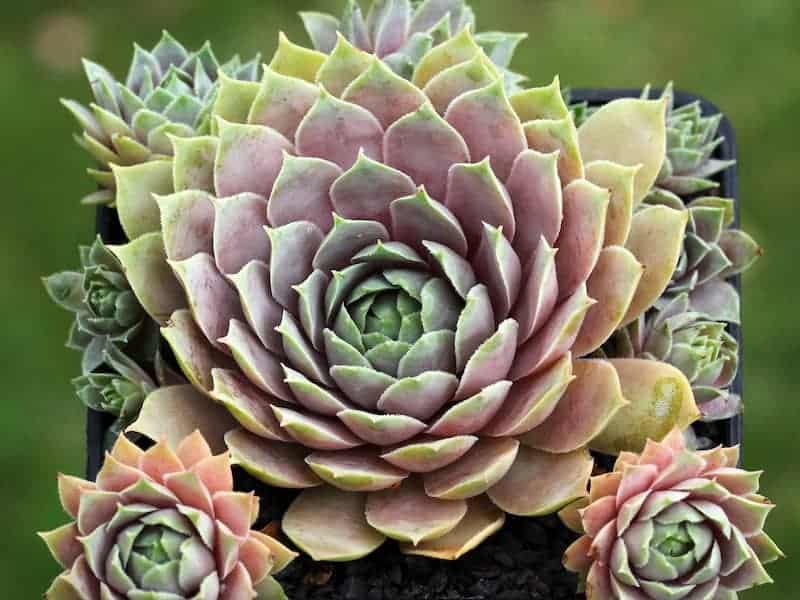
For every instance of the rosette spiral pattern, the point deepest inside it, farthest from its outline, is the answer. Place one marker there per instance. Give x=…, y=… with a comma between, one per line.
x=162, y=525
x=389, y=285
x=672, y=523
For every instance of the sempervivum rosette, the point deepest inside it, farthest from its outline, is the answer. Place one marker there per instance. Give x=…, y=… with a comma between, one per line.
x=168, y=91
x=389, y=285
x=162, y=525
x=672, y=523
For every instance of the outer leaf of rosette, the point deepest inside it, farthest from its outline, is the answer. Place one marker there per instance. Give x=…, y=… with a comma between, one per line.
x=660, y=399
x=144, y=262
x=175, y=412
x=630, y=132
x=331, y=525
x=137, y=186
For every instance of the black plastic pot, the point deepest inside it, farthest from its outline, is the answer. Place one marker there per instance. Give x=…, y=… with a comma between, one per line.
x=502, y=561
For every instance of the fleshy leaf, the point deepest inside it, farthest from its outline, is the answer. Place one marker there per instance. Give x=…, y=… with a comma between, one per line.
x=583, y=412
x=295, y=61
x=630, y=132
x=659, y=259
x=193, y=163
x=359, y=470
x=419, y=397
x=302, y=192
x=136, y=205
x=282, y=102
x=478, y=470
x=437, y=145
x=613, y=284
x=619, y=180
x=274, y=463
x=532, y=400
x=212, y=300
x=175, y=412
x=482, y=520
x=261, y=310
x=144, y=261
x=419, y=218
x=425, y=455
x=473, y=414
x=247, y=404
x=660, y=399
x=384, y=93
x=457, y=49
x=540, y=103
x=187, y=223
x=478, y=198
x=342, y=66
x=367, y=189
x=557, y=135
x=239, y=232
x=331, y=525
x=535, y=191
x=491, y=361
x=249, y=158
x=407, y=514
x=487, y=122
x=582, y=233
x=540, y=483
x=555, y=338
x=338, y=131
x=312, y=431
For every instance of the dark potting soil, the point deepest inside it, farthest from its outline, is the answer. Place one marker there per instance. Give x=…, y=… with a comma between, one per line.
x=521, y=562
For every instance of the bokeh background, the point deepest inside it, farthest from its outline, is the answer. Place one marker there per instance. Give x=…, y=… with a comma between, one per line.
x=744, y=56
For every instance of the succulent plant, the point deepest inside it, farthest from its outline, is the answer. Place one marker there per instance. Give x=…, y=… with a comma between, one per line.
x=672, y=523
x=119, y=389
x=162, y=525
x=401, y=32
x=168, y=91
x=700, y=347
x=692, y=139
x=106, y=309
x=712, y=252
x=356, y=284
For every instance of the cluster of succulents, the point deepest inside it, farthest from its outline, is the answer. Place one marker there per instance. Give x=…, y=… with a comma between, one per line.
x=168, y=91
x=409, y=288
x=162, y=525
x=349, y=280
x=672, y=523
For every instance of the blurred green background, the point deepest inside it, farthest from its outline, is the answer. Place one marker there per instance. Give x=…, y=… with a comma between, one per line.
x=744, y=56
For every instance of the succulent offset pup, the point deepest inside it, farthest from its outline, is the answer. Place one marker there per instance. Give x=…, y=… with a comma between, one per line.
x=671, y=523
x=106, y=309
x=390, y=284
x=163, y=525
x=168, y=91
